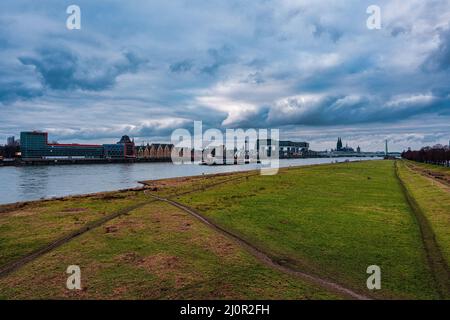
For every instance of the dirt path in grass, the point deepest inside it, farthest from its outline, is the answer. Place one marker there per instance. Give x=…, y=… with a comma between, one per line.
x=438, y=266
x=441, y=179
x=441, y=185
x=258, y=253
x=15, y=265
x=265, y=258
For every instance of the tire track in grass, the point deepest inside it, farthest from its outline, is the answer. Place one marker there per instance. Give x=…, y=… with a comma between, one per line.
x=20, y=262
x=439, y=178
x=265, y=258
x=436, y=262
x=16, y=264
x=262, y=256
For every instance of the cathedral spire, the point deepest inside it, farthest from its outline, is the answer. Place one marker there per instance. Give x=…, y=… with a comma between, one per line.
x=339, y=144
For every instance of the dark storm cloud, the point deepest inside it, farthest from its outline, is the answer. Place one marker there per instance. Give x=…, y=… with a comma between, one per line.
x=398, y=30
x=61, y=69
x=181, y=66
x=439, y=59
x=219, y=57
x=347, y=110
x=321, y=30
x=146, y=67
x=12, y=91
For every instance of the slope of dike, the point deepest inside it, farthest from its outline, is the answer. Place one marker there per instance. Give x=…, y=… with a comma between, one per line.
x=328, y=221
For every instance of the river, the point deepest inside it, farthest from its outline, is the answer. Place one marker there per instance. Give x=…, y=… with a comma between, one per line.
x=39, y=182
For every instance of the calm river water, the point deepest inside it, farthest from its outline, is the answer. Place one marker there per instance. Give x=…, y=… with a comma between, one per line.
x=37, y=182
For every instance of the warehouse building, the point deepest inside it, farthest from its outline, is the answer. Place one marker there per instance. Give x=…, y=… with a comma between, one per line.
x=125, y=148
x=286, y=149
x=34, y=145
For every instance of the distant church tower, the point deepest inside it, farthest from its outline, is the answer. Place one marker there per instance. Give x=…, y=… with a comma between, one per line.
x=339, y=144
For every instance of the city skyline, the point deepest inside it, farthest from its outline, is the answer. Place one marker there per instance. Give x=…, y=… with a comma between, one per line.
x=313, y=70
x=11, y=140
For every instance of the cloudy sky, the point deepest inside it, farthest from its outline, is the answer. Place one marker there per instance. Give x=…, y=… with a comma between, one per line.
x=310, y=68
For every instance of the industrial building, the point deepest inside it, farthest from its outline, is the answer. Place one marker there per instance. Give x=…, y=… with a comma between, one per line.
x=286, y=149
x=123, y=149
x=290, y=149
x=34, y=145
x=155, y=151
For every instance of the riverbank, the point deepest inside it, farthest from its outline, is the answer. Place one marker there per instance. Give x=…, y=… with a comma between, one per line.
x=159, y=184
x=319, y=226
x=133, y=217
x=29, y=183
x=166, y=184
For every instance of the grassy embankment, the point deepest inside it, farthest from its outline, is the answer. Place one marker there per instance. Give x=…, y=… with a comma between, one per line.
x=153, y=252
x=435, y=168
x=332, y=220
x=433, y=198
x=25, y=227
x=29, y=226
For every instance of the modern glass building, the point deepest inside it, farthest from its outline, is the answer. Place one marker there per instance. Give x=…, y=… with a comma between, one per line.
x=114, y=151
x=125, y=148
x=34, y=145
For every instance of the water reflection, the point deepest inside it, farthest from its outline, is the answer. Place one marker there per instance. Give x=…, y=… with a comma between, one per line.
x=32, y=183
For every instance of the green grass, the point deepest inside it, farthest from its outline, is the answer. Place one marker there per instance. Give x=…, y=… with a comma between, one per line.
x=156, y=252
x=171, y=186
x=432, y=167
x=25, y=229
x=30, y=226
x=434, y=201
x=333, y=220
x=330, y=220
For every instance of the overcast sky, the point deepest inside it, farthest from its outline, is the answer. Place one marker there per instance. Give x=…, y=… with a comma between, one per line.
x=310, y=68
